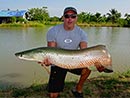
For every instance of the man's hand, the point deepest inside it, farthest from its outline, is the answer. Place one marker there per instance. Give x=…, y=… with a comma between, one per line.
x=45, y=62
x=99, y=67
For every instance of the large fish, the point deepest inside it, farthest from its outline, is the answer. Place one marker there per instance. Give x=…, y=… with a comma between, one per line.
x=71, y=59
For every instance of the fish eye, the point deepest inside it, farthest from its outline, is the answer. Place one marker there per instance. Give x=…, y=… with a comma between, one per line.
x=21, y=55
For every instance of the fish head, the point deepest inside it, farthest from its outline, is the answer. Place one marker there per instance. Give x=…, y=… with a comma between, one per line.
x=25, y=56
x=30, y=55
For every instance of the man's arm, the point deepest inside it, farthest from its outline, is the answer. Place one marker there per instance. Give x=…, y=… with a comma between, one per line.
x=83, y=45
x=52, y=44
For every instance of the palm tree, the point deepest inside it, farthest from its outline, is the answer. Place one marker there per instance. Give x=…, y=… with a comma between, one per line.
x=127, y=16
x=84, y=17
x=98, y=17
x=113, y=16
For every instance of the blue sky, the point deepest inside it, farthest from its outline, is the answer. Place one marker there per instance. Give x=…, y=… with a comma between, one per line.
x=56, y=7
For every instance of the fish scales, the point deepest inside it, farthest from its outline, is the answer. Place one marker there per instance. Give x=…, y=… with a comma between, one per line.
x=69, y=59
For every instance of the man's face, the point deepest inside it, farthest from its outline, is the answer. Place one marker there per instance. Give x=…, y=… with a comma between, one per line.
x=70, y=18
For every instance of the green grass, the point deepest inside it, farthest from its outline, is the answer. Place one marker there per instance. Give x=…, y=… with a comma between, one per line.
x=98, y=24
x=40, y=24
x=115, y=85
x=28, y=24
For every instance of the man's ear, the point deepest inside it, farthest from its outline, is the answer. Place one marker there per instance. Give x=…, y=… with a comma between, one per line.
x=62, y=18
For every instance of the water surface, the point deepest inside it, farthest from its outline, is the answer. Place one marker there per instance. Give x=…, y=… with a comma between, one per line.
x=17, y=72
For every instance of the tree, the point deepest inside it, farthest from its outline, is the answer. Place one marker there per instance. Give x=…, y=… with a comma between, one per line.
x=113, y=16
x=103, y=18
x=96, y=17
x=84, y=17
x=127, y=19
x=127, y=16
x=38, y=14
x=54, y=19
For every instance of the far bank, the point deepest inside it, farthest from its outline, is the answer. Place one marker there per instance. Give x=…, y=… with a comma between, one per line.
x=40, y=24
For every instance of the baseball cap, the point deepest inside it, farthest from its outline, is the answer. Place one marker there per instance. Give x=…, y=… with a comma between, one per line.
x=70, y=9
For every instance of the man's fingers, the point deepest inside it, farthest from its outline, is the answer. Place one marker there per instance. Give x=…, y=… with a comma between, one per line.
x=100, y=69
x=45, y=62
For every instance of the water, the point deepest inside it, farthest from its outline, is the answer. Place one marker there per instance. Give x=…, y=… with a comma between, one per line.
x=15, y=72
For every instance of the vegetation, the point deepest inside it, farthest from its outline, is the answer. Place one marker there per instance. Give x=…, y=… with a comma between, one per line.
x=28, y=24
x=41, y=15
x=112, y=86
x=113, y=18
x=38, y=14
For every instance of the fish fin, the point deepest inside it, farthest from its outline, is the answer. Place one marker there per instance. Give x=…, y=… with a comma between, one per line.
x=108, y=70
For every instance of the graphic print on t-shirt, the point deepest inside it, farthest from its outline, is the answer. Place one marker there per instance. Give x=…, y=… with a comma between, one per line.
x=68, y=40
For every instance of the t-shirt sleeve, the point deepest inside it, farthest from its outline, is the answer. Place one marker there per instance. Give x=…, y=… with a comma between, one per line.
x=84, y=36
x=51, y=35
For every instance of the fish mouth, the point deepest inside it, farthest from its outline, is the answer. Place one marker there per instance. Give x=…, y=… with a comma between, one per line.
x=18, y=54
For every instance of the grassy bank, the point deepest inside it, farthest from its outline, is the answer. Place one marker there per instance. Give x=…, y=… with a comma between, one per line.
x=98, y=24
x=39, y=24
x=28, y=24
x=113, y=86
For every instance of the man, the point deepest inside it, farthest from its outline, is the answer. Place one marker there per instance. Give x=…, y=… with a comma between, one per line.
x=67, y=36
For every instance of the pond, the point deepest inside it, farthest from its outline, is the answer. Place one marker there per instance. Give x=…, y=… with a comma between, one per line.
x=15, y=72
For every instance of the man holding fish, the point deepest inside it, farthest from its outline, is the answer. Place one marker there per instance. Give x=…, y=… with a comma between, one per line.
x=66, y=36
x=67, y=52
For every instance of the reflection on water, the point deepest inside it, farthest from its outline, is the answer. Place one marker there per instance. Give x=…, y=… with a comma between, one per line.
x=15, y=71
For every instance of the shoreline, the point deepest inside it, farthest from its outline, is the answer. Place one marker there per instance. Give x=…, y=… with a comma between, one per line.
x=38, y=24
x=112, y=86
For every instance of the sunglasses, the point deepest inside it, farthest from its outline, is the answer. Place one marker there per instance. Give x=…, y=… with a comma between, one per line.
x=70, y=16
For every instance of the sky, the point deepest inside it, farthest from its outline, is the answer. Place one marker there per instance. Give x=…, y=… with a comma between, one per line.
x=56, y=7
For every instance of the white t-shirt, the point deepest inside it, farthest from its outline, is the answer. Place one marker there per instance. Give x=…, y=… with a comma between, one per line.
x=66, y=39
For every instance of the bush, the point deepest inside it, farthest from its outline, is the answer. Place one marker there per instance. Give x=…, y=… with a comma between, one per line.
x=13, y=19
